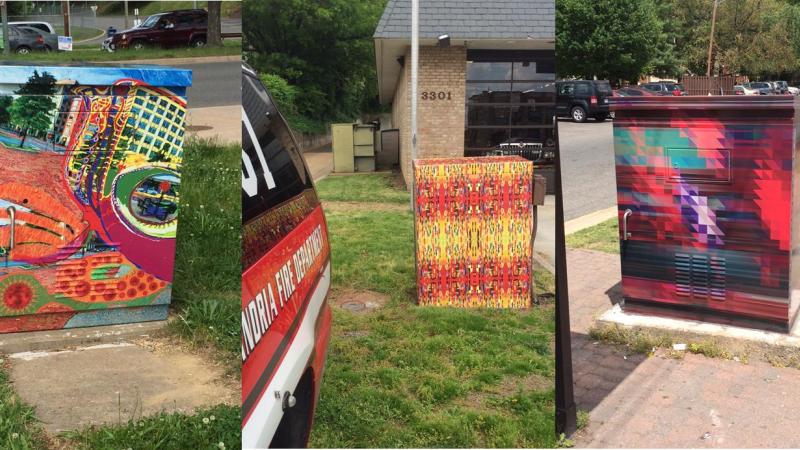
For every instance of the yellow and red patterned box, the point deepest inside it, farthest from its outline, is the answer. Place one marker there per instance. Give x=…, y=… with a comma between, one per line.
x=474, y=231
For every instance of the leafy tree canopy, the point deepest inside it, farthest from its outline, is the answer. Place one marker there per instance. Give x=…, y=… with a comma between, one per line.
x=607, y=39
x=322, y=48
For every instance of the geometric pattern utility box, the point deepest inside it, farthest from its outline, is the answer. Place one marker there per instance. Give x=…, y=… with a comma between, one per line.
x=474, y=231
x=89, y=193
x=709, y=207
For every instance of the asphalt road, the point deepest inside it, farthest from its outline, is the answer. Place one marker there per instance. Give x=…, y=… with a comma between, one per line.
x=214, y=84
x=587, y=159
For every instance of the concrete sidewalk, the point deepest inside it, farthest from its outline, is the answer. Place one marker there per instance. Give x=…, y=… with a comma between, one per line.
x=216, y=122
x=107, y=375
x=661, y=402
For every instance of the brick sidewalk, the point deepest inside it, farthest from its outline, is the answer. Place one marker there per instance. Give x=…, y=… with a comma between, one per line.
x=636, y=401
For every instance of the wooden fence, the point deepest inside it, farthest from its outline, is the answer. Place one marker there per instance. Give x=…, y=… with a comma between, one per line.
x=702, y=85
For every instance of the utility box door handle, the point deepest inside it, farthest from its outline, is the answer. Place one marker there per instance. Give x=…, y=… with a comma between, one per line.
x=625, y=234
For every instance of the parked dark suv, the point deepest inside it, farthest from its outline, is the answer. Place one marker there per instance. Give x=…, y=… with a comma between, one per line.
x=169, y=29
x=665, y=88
x=581, y=99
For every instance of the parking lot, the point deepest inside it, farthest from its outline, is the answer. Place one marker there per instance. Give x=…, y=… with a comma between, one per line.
x=587, y=159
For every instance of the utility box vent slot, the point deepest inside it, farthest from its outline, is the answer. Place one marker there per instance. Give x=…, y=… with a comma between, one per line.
x=700, y=276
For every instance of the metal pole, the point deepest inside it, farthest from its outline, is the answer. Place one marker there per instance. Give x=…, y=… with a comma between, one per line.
x=6, y=37
x=711, y=40
x=566, y=412
x=127, y=19
x=414, y=80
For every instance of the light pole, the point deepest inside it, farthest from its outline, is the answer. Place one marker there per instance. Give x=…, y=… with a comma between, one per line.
x=414, y=80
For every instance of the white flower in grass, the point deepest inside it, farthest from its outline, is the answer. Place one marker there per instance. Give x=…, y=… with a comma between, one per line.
x=16, y=435
x=205, y=420
x=221, y=445
x=212, y=418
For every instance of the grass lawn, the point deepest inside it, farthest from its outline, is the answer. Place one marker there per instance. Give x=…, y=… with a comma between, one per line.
x=603, y=237
x=94, y=54
x=410, y=376
x=206, y=297
x=79, y=33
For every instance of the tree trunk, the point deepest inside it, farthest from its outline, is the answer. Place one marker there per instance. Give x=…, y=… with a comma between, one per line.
x=214, y=24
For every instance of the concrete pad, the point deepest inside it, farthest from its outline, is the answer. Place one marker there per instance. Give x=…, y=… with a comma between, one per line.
x=216, y=122
x=59, y=339
x=112, y=383
x=589, y=220
x=616, y=315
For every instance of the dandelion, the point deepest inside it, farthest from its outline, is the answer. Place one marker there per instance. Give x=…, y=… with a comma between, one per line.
x=212, y=418
x=221, y=445
x=205, y=420
x=16, y=435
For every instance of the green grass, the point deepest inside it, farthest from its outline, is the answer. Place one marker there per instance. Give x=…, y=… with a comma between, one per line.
x=376, y=188
x=212, y=428
x=409, y=376
x=94, y=54
x=79, y=33
x=603, y=237
x=19, y=428
x=229, y=8
x=207, y=284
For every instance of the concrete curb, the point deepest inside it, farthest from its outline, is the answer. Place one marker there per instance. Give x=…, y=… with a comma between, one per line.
x=102, y=33
x=542, y=261
x=589, y=220
x=33, y=341
x=616, y=316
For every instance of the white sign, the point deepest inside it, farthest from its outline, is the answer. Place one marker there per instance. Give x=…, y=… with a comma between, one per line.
x=65, y=43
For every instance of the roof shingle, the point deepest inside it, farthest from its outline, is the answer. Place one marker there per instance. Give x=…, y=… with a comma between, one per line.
x=470, y=19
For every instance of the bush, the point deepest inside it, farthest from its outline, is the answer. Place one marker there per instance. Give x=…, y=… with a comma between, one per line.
x=283, y=93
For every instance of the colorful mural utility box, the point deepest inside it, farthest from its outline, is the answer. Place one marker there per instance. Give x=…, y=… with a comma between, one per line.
x=474, y=231
x=89, y=193
x=708, y=190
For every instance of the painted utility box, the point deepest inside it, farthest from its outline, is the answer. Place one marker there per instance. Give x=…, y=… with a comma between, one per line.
x=89, y=193
x=708, y=190
x=474, y=222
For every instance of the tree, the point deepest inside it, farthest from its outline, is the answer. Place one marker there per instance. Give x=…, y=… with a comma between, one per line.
x=607, y=39
x=32, y=110
x=324, y=49
x=5, y=106
x=214, y=24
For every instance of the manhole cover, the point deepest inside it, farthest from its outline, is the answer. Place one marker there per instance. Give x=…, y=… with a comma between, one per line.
x=353, y=306
x=358, y=302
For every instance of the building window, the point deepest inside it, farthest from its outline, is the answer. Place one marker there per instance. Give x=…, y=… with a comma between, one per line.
x=510, y=98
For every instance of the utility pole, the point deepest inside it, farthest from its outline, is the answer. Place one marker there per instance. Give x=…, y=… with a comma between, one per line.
x=127, y=20
x=711, y=40
x=414, y=82
x=65, y=11
x=6, y=38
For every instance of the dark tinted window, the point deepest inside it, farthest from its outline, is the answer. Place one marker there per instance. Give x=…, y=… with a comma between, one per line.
x=507, y=92
x=278, y=150
x=603, y=87
x=583, y=89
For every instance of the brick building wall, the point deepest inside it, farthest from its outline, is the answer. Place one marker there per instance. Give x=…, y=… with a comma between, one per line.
x=440, y=121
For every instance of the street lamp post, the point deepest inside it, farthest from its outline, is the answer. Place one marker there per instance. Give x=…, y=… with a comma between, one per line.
x=414, y=81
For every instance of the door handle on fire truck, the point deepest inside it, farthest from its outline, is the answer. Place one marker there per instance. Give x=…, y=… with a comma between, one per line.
x=625, y=234
x=12, y=214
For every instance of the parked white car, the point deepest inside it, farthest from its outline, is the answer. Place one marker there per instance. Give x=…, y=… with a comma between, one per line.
x=44, y=26
x=794, y=91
